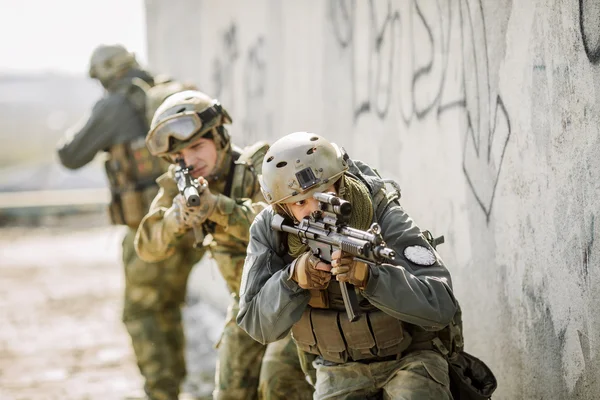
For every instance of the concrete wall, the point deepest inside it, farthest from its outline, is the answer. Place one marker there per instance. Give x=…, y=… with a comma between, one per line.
x=485, y=111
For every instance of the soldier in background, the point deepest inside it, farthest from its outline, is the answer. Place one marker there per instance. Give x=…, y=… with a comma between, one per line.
x=117, y=126
x=189, y=128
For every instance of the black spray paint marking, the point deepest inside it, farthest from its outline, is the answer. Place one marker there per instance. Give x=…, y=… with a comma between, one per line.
x=433, y=59
x=587, y=251
x=223, y=65
x=589, y=26
x=257, y=123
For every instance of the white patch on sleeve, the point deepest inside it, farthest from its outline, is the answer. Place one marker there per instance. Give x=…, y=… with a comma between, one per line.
x=420, y=255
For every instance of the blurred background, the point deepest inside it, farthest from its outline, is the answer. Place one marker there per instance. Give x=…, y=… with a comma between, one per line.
x=485, y=111
x=61, y=274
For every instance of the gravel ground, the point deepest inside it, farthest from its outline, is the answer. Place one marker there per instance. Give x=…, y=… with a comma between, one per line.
x=60, y=305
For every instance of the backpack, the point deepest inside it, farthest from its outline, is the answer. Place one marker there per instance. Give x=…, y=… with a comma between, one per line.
x=146, y=98
x=163, y=88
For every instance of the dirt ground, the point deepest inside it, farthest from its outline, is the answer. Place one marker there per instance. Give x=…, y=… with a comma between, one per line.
x=61, y=336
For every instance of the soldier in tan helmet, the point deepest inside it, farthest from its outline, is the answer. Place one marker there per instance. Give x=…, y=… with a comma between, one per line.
x=393, y=350
x=117, y=127
x=189, y=128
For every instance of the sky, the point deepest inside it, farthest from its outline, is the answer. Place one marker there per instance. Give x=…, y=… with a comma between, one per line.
x=60, y=35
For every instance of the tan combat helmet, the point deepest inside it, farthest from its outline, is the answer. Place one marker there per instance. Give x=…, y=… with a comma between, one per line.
x=299, y=165
x=184, y=117
x=108, y=61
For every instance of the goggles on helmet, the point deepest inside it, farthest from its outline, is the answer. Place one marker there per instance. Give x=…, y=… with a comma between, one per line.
x=180, y=127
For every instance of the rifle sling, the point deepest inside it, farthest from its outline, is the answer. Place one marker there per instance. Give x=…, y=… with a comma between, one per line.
x=229, y=183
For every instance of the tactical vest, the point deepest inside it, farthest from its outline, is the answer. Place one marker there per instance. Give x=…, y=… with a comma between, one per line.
x=242, y=180
x=324, y=329
x=131, y=169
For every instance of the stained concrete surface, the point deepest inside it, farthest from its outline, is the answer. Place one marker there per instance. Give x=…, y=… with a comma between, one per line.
x=486, y=112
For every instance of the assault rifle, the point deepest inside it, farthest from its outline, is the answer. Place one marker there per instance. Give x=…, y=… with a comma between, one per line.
x=190, y=189
x=188, y=186
x=327, y=230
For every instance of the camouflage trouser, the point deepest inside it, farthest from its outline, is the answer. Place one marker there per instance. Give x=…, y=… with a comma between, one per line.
x=421, y=375
x=244, y=365
x=154, y=293
x=238, y=362
x=281, y=376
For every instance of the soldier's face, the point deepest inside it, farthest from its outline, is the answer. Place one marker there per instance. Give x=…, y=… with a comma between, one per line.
x=200, y=156
x=304, y=208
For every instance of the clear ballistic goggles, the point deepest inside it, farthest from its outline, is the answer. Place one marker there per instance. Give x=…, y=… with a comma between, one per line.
x=180, y=127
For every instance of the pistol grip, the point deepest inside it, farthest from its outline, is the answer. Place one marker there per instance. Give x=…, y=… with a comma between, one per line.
x=198, y=236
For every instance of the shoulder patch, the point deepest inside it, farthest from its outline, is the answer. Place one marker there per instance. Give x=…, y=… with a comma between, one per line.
x=420, y=255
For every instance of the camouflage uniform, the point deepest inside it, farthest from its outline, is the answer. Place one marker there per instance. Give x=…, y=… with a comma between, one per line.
x=239, y=356
x=153, y=291
x=223, y=212
x=406, y=307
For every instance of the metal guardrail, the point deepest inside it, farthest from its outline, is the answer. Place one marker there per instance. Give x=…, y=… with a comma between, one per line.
x=54, y=198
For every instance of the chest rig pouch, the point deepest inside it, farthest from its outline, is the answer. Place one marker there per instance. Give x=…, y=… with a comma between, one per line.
x=132, y=172
x=130, y=168
x=329, y=334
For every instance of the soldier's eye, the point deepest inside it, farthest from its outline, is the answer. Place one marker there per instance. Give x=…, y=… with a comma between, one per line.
x=300, y=203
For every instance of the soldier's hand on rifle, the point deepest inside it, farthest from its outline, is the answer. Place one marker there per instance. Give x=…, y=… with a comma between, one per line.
x=310, y=272
x=192, y=216
x=173, y=220
x=347, y=269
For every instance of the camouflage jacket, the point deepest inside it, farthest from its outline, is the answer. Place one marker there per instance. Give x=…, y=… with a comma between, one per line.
x=231, y=221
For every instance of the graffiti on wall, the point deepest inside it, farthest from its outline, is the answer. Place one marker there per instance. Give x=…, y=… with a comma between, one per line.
x=589, y=26
x=256, y=121
x=223, y=66
x=421, y=59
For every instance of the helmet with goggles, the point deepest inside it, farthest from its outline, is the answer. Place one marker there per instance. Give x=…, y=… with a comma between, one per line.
x=184, y=117
x=299, y=165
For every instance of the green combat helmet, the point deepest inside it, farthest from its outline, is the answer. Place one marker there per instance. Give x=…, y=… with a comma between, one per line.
x=299, y=165
x=185, y=117
x=109, y=61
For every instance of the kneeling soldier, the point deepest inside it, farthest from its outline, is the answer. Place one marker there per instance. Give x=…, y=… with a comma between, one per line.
x=303, y=277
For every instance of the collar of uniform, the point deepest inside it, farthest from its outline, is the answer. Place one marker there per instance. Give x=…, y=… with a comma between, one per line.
x=218, y=181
